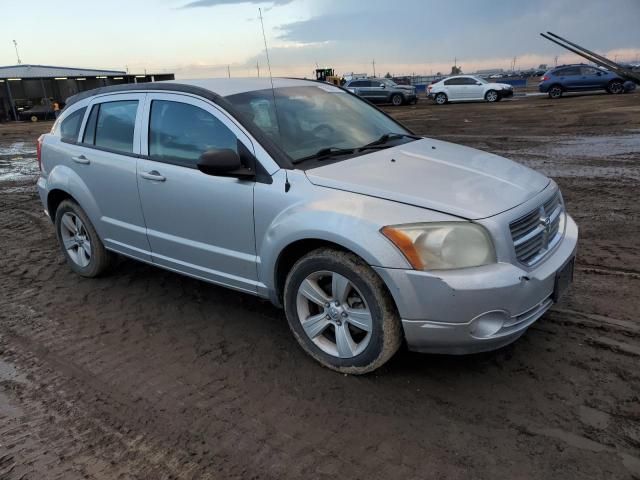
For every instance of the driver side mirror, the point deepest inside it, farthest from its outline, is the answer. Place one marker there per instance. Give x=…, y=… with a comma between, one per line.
x=478, y=83
x=382, y=85
x=224, y=163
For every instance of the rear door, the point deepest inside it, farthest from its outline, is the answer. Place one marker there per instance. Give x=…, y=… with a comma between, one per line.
x=105, y=158
x=591, y=78
x=571, y=78
x=455, y=88
x=198, y=224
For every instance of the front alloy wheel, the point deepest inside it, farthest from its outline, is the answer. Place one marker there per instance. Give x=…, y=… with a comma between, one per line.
x=491, y=96
x=333, y=314
x=555, y=92
x=340, y=311
x=441, y=99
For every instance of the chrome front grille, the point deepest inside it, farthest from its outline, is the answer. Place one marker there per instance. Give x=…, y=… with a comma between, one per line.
x=538, y=231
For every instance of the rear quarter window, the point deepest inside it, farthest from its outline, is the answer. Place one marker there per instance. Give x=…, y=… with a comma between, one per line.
x=70, y=126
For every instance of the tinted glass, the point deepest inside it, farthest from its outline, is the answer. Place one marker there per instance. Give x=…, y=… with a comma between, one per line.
x=566, y=72
x=359, y=83
x=179, y=133
x=453, y=81
x=589, y=71
x=90, y=129
x=116, y=122
x=70, y=126
x=310, y=118
x=469, y=81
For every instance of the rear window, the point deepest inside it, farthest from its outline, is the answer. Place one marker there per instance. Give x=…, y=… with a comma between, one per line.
x=111, y=125
x=70, y=126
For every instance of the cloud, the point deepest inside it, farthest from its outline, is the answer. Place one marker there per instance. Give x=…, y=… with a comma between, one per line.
x=217, y=3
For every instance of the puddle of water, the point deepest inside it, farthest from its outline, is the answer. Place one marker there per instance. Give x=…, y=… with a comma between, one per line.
x=18, y=161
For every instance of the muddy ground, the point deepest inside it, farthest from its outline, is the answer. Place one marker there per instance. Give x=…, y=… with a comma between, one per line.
x=148, y=374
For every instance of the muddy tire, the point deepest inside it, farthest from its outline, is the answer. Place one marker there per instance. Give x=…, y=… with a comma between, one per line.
x=79, y=242
x=397, y=100
x=340, y=312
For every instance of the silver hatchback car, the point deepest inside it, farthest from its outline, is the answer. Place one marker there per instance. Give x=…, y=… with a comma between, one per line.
x=367, y=235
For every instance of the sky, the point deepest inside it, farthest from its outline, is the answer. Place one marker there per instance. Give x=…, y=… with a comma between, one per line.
x=212, y=38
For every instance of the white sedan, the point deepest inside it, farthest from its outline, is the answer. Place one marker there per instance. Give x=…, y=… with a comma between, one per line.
x=464, y=88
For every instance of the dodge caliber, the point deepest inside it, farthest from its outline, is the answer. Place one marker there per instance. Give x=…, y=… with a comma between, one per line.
x=368, y=235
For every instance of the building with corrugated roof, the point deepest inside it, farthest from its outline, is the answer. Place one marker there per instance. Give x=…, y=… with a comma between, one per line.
x=25, y=87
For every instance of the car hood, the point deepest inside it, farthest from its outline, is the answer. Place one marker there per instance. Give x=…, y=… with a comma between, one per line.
x=436, y=175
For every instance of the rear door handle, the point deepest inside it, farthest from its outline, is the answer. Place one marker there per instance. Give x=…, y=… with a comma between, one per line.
x=153, y=175
x=81, y=159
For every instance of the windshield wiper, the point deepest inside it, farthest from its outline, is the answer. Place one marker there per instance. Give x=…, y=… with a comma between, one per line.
x=386, y=138
x=327, y=153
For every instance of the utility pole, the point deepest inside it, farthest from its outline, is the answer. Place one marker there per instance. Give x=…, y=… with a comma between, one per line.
x=15, y=44
x=258, y=68
x=556, y=61
x=374, y=67
x=229, y=71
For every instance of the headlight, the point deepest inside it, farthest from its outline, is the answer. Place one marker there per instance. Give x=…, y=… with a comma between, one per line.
x=442, y=245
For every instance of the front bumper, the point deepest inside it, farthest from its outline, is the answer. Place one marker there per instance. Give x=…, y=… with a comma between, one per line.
x=475, y=309
x=507, y=93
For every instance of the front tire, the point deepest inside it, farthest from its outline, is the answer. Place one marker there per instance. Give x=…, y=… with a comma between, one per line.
x=80, y=244
x=491, y=96
x=340, y=312
x=615, y=87
x=397, y=100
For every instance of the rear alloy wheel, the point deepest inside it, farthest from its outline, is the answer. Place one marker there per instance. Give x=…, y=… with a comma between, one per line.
x=79, y=241
x=397, y=100
x=555, y=91
x=615, y=87
x=491, y=96
x=441, y=98
x=340, y=312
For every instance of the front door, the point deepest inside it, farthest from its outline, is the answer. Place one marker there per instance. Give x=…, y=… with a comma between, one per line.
x=198, y=224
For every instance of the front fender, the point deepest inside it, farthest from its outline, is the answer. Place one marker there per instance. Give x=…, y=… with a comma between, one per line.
x=309, y=212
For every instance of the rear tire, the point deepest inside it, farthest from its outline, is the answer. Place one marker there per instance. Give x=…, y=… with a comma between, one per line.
x=340, y=312
x=397, y=100
x=79, y=241
x=441, y=98
x=555, y=91
x=615, y=87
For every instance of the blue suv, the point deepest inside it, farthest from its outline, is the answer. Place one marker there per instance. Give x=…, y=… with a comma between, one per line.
x=576, y=78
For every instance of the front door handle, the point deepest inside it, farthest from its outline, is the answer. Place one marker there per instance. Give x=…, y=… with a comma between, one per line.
x=153, y=175
x=81, y=159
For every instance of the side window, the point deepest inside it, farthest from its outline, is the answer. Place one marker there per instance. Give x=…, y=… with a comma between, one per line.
x=111, y=125
x=70, y=126
x=453, y=81
x=358, y=83
x=589, y=71
x=179, y=133
x=469, y=81
x=568, y=72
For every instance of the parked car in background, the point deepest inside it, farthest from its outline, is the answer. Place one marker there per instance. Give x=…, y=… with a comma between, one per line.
x=368, y=235
x=579, y=78
x=464, y=88
x=382, y=90
x=37, y=112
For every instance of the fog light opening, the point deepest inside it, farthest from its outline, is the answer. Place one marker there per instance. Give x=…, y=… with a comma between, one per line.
x=488, y=324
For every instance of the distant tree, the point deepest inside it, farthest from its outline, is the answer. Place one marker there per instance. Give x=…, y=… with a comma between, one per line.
x=438, y=74
x=388, y=75
x=455, y=70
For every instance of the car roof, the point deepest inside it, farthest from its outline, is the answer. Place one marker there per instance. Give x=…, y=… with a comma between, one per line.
x=211, y=88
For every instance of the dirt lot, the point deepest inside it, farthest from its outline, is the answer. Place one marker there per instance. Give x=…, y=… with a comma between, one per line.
x=147, y=374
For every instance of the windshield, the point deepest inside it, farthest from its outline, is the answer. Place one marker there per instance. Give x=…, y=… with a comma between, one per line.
x=389, y=83
x=313, y=118
x=480, y=79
